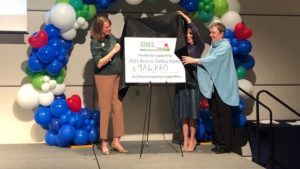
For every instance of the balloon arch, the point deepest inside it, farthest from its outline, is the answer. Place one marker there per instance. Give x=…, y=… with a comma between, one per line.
x=64, y=119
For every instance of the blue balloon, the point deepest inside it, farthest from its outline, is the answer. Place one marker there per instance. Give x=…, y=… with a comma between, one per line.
x=229, y=34
x=76, y=120
x=46, y=54
x=64, y=119
x=94, y=135
x=58, y=107
x=235, y=50
x=56, y=44
x=65, y=136
x=86, y=113
x=67, y=44
x=62, y=56
x=234, y=42
x=54, y=67
x=241, y=107
x=62, y=96
x=54, y=125
x=34, y=64
x=81, y=137
x=200, y=130
x=42, y=115
x=190, y=5
x=244, y=47
x=52, y=31
x=51, y=138
x=102, y=4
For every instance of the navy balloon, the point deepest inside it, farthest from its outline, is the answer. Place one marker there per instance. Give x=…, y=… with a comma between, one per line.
x=51, y=138
x=247, y=62
x=86, y=113
x=239, y=120
x=67, y=44
x=81, y=137
x=62, y=96
x=235, y=50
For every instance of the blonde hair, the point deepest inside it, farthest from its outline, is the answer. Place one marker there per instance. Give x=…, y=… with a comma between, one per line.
x=97, y=25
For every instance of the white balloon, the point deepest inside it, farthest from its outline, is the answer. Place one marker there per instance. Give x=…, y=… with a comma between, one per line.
x=175, y=1
x=230, y=19
x=46, y=98
x=85, y=26
x=80, y=21
x=247, y=86
x=63, y=16
x=59, y=89
x=76, y=26
x=69, y=35
x=46, y=18
x=215, y=19
x=234, y=5
x=133, y=2
x=46, y=79
x=45, y=87
x=52, y=84
x=27, y=96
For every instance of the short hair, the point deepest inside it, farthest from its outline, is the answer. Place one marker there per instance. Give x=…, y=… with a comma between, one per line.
x=97, y=25
x=221, y=27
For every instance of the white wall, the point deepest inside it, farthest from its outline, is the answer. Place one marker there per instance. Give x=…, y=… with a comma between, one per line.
x=275, y=37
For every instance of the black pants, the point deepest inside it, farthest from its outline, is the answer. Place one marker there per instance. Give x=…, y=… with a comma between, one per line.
x=222, y=121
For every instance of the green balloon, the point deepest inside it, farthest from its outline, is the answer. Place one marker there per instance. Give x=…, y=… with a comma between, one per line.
x=92, y=12
x=221, y=7
x=77, y=4
x=201, y=5
x=241, y=72
x=62, y=1
x=60, y=79
x=85, y=11
x=208, y=8
x=205, y=16
x=37, y=81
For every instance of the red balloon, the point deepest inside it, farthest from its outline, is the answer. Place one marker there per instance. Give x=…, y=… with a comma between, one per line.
x=74, y=103
x=39, y=39
x=242, y=32
x=204, y=104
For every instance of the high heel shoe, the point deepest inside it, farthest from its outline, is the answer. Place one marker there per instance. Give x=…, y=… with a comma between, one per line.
x=120, y=149
x=105, y=151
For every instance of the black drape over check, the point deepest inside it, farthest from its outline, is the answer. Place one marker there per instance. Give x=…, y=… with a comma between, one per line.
x=169, y=25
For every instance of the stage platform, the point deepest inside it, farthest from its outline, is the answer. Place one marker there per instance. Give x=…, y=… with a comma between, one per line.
x=158, y=155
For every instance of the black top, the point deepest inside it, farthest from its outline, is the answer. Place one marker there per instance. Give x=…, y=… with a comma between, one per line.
x=194, y=51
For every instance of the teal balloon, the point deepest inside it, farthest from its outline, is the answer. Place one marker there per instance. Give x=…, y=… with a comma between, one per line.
x=241, y=72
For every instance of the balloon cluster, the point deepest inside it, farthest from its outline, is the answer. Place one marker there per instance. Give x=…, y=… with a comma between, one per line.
x=64, y=119
x=67, y=123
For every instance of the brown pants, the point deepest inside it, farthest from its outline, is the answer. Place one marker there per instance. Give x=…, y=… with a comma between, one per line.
x=109, y=104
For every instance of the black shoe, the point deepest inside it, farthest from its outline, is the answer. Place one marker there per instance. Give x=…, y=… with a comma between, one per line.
x=222, y=150
x=215, y=148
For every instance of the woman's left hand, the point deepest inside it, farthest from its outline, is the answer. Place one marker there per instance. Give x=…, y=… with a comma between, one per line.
x=189, y=60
